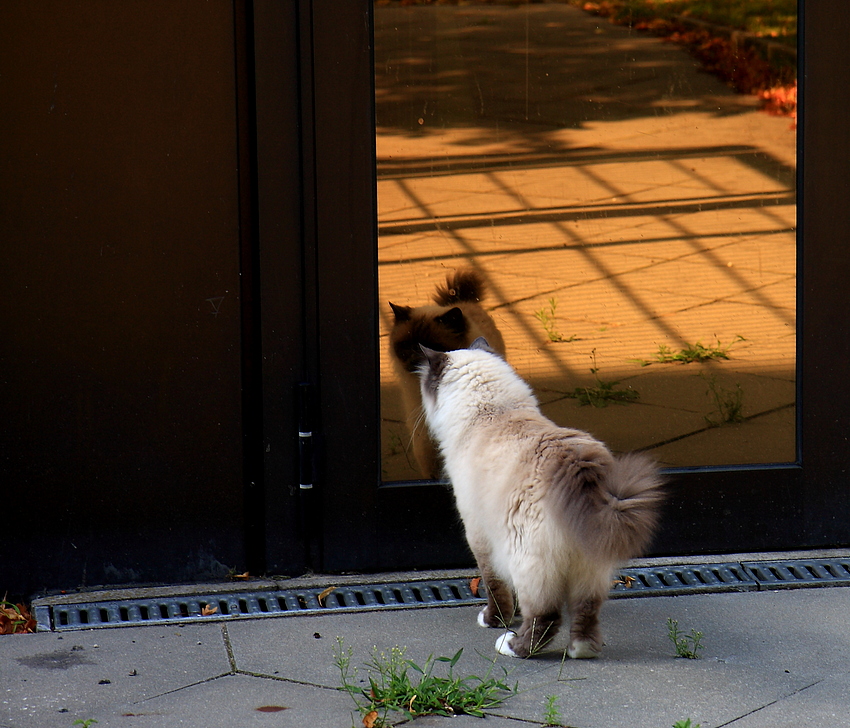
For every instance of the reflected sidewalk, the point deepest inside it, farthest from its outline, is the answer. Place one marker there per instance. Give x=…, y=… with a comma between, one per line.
x=603, y=182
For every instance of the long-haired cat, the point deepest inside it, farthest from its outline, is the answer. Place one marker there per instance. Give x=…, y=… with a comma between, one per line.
x=549, y=513
x=454, y=321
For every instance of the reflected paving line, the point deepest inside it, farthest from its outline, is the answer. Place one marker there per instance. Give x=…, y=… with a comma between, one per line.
x=692, y=237
x=571, y=213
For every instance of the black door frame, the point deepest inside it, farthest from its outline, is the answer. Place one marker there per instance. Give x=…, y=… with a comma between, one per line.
x=367, y=526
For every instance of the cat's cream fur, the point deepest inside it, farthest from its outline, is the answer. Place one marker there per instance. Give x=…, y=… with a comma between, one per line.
x=549, y=513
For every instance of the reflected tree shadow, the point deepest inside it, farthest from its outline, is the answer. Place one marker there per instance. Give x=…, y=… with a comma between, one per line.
x=526, y=71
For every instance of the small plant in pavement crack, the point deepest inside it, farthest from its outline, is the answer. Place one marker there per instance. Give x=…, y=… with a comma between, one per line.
x=397, y=684
x=546, y=317
x=552, y=716
x=687, y=645
x=697, y=352
x=729, y=403
x=686, y=723
x=604, y=392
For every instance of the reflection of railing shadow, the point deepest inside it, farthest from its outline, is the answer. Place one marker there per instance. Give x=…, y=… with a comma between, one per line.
x=494, y=162
x=401, y=170
x=587, y=212
x=711, y=195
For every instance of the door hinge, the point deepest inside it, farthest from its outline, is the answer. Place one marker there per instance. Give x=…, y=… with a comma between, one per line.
x=305, y=438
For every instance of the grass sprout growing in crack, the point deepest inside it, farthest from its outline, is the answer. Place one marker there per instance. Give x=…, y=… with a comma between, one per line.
x=396, y=684
x=687, y=645
x=604, y=392
x=686, y=723
x=552, y=715
x=546, y=317
x=729, y=403
x=697, y=352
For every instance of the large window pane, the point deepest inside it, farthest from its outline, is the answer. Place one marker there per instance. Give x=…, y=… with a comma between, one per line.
x=627, y=210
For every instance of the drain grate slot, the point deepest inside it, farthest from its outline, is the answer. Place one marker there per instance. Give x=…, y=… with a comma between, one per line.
x=632, y=582
x=803, y=573
x=672, y=580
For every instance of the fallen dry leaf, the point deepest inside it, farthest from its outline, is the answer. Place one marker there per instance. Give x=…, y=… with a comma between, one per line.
x=244, y=575
x=324, y=595
x=16, y=619
x=370, y=718
x=473, y=585
x=208, y=610
x=625, y=580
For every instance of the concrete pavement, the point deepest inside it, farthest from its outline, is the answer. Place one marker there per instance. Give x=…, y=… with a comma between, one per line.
x=772, y=659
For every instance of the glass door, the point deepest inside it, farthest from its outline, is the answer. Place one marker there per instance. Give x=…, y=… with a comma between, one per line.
x=632, y=225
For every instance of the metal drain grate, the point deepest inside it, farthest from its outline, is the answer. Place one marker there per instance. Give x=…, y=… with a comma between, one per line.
x=633, y=582
x=274, y=603
x=802, y=573
x=673, y=580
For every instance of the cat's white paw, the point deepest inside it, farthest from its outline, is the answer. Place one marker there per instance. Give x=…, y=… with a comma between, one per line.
x=581, y=650
x=481, y=622
x=502, y=646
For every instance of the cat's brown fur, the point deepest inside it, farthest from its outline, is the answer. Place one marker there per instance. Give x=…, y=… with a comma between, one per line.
x=453, y=322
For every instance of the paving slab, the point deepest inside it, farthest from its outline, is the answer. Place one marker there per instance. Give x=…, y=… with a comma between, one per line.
x=246, y=700
x=51, y=680
x=770, y=658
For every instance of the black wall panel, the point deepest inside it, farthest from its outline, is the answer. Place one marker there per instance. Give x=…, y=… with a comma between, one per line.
x=120, y=375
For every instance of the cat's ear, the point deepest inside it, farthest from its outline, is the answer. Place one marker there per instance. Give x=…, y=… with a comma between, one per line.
x=402, y=313
x=453, y=320
x=481, y=343
x=434, y=358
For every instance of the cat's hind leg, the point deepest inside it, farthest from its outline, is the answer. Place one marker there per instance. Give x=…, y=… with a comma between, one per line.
x=499, y=611
x=541, y=596
x=585, y=638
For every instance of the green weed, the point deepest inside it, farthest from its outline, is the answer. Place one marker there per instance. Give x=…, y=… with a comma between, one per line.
x=604, y=392
x=546, y=317
x=552, y=715
x=84, y=723
x=687, y=645
x=697, y=352
x=729, y=403
x=686, y=723
x=397, y=684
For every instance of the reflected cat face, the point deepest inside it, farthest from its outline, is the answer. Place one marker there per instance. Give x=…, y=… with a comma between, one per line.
x=435, y=327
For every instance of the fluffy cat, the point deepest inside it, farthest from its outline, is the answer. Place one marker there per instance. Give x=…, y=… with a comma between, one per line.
x=548, y=512
x=454, y=321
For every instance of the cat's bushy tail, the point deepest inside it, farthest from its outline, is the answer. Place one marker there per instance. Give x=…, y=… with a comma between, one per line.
x=464, y=285
x=632, y=492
